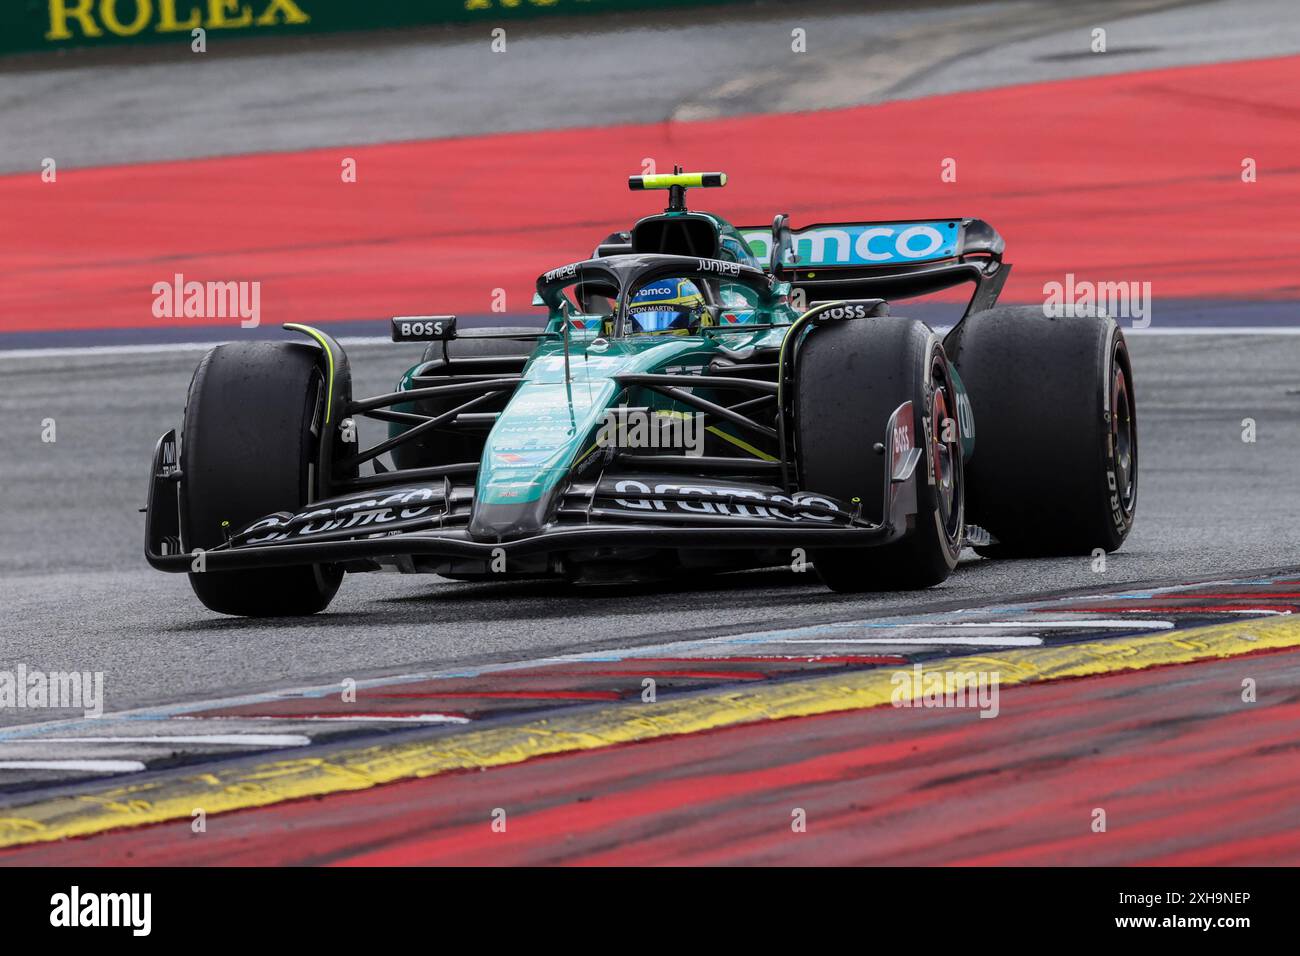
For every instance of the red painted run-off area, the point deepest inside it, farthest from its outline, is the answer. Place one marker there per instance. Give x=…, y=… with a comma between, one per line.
x=1187, y=773
x=1131, y=177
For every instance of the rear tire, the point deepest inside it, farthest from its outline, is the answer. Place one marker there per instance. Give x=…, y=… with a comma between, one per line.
x=247, y=451
x=1054, y=470
x=849, y=378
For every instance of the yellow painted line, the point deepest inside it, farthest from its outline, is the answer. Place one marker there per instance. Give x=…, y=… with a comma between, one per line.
x=223, y=790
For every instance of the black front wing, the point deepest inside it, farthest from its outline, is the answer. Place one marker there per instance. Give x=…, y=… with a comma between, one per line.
x=629, y=510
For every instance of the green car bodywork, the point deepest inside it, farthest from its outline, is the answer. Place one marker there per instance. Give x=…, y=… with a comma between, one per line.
x=700, y=396
x=548, y=429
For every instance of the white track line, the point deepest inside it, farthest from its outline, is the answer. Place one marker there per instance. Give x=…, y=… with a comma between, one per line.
x=1257, y=611
x=1004, y=641
x=110, y=766
x=1216, y=330
x=146, y=348
x=1108, y=624
x=341, y=718
x=235, y=740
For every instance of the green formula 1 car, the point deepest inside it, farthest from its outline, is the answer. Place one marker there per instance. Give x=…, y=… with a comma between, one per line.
x=702, y=397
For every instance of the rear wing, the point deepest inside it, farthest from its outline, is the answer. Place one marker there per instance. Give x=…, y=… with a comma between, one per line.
x=892, y=260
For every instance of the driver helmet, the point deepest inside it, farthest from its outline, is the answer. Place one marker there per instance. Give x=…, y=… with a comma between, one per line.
x=666, y=306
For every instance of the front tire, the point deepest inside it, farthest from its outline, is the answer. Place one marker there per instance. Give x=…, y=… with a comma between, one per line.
x=248, y=450
x=850, y=377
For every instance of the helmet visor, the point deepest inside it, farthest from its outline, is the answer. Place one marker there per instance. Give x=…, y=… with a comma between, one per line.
x=658, y=319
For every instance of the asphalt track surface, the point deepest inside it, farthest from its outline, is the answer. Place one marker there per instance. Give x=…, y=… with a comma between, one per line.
x=78, y=594
x=245, y=97
x=72, y=580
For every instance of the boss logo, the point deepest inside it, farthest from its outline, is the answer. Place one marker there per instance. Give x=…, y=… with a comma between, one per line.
x=848, y=312
x=424, y=328
x=421, y=328
x=862, y=309
x=902, y=439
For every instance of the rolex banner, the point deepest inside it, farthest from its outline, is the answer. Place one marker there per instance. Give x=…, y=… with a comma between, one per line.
x=36, y=25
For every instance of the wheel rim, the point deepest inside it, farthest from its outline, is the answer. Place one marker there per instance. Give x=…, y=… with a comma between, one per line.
x=1123, y=433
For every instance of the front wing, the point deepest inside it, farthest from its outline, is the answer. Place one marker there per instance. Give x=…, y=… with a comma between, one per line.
x=630, y=509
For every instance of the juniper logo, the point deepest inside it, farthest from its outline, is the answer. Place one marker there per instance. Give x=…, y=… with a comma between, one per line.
x=625, y=427
x=74, y=908
x=921, y=688
x=55, y=690
x=208, y=300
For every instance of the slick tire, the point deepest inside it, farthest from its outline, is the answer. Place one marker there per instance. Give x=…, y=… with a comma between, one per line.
x=850, y=376
x=486, y=356
x=1054, y=470
x=247, y=450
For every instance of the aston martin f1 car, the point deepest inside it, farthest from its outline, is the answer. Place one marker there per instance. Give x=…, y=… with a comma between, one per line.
x=702, y=397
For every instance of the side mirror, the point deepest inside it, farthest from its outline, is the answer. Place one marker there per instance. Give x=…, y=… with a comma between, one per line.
x=783, y=253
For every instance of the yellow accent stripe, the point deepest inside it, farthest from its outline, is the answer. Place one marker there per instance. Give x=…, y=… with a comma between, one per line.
x=744, y=445
x=791, y=335
x=225, y=789
x=329, y=354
